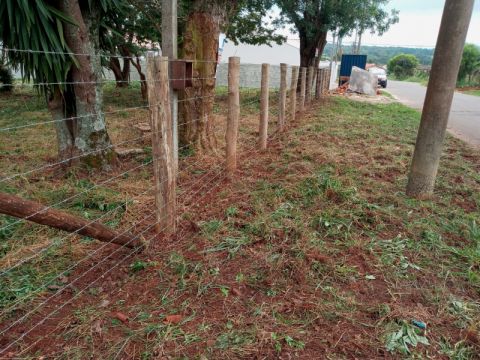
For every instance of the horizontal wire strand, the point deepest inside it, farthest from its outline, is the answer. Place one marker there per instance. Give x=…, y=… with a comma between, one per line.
x=99, y=113
x=46, y=52
x=108, y=81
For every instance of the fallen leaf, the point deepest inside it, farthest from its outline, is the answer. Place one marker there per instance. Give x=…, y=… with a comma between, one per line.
x=173, y=319
x=121, y=316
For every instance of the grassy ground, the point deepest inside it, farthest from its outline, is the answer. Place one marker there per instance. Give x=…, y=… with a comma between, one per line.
x=473, y=92
x=418, y=78
x=312, y=251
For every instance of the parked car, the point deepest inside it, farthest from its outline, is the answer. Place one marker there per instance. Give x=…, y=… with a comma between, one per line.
x=381, y=74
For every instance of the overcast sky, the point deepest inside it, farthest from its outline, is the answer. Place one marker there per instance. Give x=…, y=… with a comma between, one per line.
x=419, y=24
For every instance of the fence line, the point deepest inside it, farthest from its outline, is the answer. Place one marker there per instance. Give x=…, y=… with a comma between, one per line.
x=162, y=152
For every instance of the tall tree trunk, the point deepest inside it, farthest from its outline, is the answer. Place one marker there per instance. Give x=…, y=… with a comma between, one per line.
x=85, y=135
x=200, y=44
x=320, y=48
x=122, y=74
x=359, y=44
x=143, y=79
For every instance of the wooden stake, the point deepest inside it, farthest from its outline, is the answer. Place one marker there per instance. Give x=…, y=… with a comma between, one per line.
x=12, y=205
x=326, y=81
x=293, y=93
x=303, y=86
x=282, y=101
x=264, y=103
x=162, y=143
x=309, y=84
x=322, y=82
x=318, y=82
x=233, y=114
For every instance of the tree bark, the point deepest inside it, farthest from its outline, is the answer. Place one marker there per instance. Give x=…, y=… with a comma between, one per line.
x=25, y=209
x=85, y=136
x=200, y=44
x=143, y=79
x=122, y=74
x=439, y=97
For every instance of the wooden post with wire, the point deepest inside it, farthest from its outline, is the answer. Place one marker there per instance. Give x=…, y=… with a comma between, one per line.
x=309, y=84
x=264, y=102
x=326, y=81
x=318, y=82
x=293, y=93
x=158, y=86
x=321, y=84
x=233, y=114
x=303, y=79
x=282, y=101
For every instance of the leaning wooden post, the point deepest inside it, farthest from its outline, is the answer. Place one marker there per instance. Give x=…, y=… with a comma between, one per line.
x=233, y=114
x=264, y=93
x=158, y=86
x=282, y=101
x=303, y=72
x=33, y=211
x=293, y=93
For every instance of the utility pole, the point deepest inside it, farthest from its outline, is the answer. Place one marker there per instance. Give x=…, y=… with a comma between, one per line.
x=438, y=101
x=170, y=49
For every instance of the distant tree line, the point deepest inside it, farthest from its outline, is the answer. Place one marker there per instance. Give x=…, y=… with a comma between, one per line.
x=382, y=54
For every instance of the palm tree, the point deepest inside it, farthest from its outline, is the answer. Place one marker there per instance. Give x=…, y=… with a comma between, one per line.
x=55, y=44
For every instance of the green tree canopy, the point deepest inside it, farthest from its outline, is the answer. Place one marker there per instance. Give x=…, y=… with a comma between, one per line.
x=313, y=19
x=403, y=65
x=470, y=62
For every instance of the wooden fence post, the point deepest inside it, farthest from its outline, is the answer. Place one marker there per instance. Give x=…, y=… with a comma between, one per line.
x=303, y=72
x=158, y=87
x=318, y=88
x=320, y=82
x=233, y=114
x=264, y=102
x=326, y=81
x=309, y=84
x=293, y=93
x=282, y=101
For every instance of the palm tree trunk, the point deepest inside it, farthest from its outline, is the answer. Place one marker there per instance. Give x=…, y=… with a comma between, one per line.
x=89, y=140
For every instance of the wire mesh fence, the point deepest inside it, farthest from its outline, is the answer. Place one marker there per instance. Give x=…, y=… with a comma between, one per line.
x=44, y=270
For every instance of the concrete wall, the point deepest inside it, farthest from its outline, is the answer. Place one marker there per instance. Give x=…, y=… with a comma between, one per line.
x=250, y=75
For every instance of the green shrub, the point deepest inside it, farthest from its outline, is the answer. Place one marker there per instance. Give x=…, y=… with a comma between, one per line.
x=403, y=66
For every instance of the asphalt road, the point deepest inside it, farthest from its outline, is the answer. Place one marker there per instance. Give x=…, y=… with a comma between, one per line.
x=464, y=121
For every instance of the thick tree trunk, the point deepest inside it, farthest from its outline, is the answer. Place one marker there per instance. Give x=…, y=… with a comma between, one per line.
x=200, y=44
x=438, y=100
x=85, y=136
x=308, y=48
